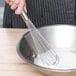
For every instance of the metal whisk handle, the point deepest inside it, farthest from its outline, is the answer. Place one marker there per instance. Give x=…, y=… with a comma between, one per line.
x=27, y=20
x=24, y=15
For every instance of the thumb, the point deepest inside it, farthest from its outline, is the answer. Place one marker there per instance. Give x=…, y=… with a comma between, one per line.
x=25, y=8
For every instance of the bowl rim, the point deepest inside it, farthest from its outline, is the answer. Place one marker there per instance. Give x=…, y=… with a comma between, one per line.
x=35, y=65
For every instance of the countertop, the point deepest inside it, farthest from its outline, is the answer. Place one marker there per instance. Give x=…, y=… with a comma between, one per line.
x=10, y=63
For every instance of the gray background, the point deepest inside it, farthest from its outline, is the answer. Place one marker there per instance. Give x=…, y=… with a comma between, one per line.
x=2, y=2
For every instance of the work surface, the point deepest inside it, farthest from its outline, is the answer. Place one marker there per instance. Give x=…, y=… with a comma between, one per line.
x=10, y=63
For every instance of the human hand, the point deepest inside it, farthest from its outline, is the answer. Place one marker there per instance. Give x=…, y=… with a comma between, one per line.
x=17, y=5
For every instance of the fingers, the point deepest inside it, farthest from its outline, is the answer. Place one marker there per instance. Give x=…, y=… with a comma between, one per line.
x=14, y=6
x=17, y=5
x=7, y=1
x=20, y=8
x=10, y=3
x=25, y=7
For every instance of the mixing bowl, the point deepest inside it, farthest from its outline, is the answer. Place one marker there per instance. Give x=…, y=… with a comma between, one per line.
x=62, y=39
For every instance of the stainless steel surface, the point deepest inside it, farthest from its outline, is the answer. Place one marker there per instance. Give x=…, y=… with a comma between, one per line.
x=61, y=37
x=43, y=49
x=24, y=15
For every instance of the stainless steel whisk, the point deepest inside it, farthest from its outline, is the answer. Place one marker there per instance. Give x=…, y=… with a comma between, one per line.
x=47, y=54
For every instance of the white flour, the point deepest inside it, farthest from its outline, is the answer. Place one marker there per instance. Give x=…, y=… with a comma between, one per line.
x=67, y=60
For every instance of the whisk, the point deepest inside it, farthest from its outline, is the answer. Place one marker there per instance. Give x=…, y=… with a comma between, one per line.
x=47, y=54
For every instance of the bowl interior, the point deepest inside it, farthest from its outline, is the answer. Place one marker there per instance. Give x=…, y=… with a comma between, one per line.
x=62, y=39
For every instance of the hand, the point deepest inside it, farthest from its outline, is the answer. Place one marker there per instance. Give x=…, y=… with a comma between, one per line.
x=17, y=5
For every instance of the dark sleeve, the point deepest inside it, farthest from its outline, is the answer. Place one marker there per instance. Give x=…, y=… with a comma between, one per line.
x=7, y=17
x=42, y=13
x=11, y=20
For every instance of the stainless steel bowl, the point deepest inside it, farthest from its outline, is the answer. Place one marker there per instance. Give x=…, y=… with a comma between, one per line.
x=62, y=39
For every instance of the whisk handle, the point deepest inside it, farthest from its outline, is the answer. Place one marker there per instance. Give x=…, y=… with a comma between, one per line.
x=28, y=22
x=24, y=15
